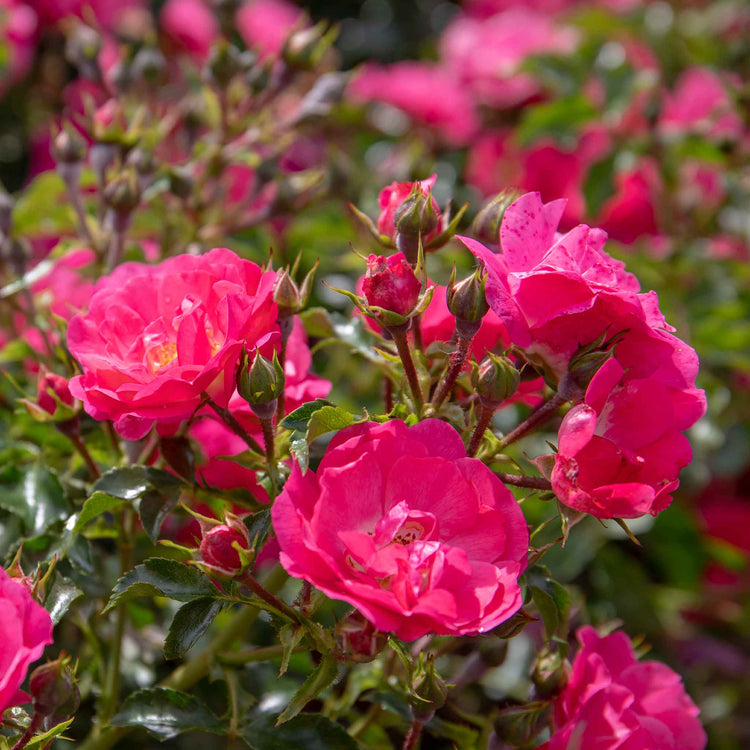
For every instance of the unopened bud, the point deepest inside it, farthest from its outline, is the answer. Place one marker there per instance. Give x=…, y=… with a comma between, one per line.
x=358, y=639
x=495, y=380
x=304, y=49
x=54, y=692
x=429, y=691
x=123, y=194
x=417, y=215
x=68, y=147
x=467, y=302
x=223, y=65
x=390, y=283
x=583, y=365
x=148, y=64
x=513, y=626
x=286, y=294
x=82, y=51
x=52, y=389
x=486, y=224
x=219, y=551
x=261, y=384
x=551, y=672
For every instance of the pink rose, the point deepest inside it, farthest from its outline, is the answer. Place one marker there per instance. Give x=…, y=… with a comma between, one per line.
x=390, y=283
x=700, y=104
x=619, y=453
x=27, y=629
x=486, y=55
x=614, y=702
x=18, y=35
x=391, y=198
x=428, y=93
x=191, y=26
x=156, y=338
x=398, y=522
x=266, y=24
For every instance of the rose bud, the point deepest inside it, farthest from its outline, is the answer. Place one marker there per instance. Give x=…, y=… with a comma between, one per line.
x=69, y=151
x=583, y=365
x=52, y=389
x=358, y=639
x=468, y=303
x=428, y=692
x=54, y=692
x=305, y=48
x=551, y=672
x=391, y=284
x=288, y=296
x=495, y=379
x=261, y=384
x=486, y=224
x=218, y=548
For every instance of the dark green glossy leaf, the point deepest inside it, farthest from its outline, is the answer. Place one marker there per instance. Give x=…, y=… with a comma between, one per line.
x=131, y=482
x=61, y=595
x=299, y=418
x=599, y=185
x=162, y=577
x=98, y=503
x=153, y=508
x=165, y=713
x=559, y=119
x=308, y=731
x=325, y=673
x=258, y=526
x=34, y=495
x=190, y=622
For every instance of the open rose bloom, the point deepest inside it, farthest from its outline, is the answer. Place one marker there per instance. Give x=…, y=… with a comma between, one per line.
x=156, y=338
x=26, y=628
x=613, y=701
x=398, y=522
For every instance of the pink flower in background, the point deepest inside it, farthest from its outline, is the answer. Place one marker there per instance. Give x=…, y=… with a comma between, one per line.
x=614, y=702
x=107, y=13
x=620, y=452
x=27, y=628
x=156, y=338
x=191, y=26
x=701, y=186
x=429, y=94
x=700, y=103
x=487, y=55
x=19, y=26
x=265, y=24
x=398, y=522
x=391, y=198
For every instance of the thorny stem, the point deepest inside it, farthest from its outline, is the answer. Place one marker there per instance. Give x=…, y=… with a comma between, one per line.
x=537, y=417
x=269, y=438
x=398, y=333
x=485, y=418
x=387, y=394
x=458, y=358
x=262, y=593
x=83, y=452
x=415, y=733
x=234, y=425
x=536, y=483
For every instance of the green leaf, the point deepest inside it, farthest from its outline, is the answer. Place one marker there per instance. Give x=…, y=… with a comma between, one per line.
x=42, y=739
x=159, y=576
x=153, y=508
x=324, y=674
x=98, y=503
x=299, y=418
x=290, y=636
x=600, y=185
x=190, y=622
x=553, y=602
x=60, y=596
x=165, y=713
x=258, y=526
x=44, y=197
x=299, y=448
x=34, y=495
x=132, y=482
x=560, y=119
x=328, y=419
x=308, y=731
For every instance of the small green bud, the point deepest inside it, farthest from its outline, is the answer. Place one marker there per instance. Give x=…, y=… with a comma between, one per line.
x=261, y=383
x=486, y=224
x=305, y=48
x=428, y=690
x=123, y=194
x=551, y=672
x=495, y=379
x=416, y=215
x=584, y=364
x=467, y=302
x=68, y=147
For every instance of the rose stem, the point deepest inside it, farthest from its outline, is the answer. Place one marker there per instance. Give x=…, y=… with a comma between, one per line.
x=286, y=324
x=83, y=452
x=458, y=358
x=534, y=483
x=262, y=593
x=234, y=425
x=537, y=417
x=485, y=417
x=387, y=394
x=269, y=437
x=415, y=733
x=398, y=333
x=25, y=738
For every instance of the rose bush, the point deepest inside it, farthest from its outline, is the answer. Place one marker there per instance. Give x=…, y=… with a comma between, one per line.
x=398, y=522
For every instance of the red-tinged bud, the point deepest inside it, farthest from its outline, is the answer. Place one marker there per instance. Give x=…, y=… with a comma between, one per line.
x=54, y=692
x=358, y=639
x=218, y=551
x=467, y=302
x=551, y=672
x=496, y=379
x=51, y=390
x=391, y=283
x=109, y=121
